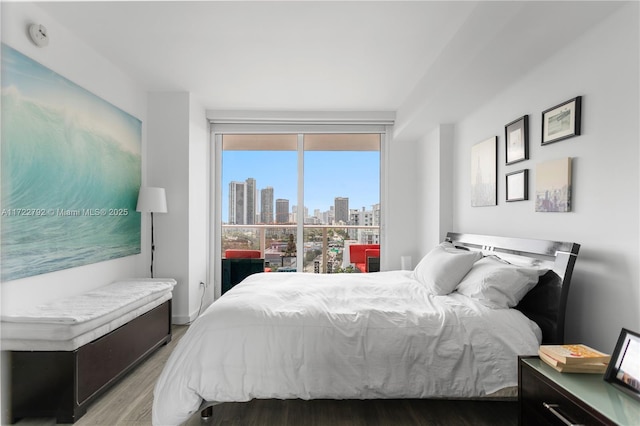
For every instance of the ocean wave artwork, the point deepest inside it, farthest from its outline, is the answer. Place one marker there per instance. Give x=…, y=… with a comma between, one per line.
x=71, y=172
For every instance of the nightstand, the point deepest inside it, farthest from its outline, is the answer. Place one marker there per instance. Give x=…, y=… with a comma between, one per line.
x=548, y=397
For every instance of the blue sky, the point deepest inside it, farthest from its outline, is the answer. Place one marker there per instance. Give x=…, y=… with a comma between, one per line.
x=328, y=174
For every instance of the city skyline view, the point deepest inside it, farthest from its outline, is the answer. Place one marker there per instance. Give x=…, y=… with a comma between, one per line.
x=328, y=175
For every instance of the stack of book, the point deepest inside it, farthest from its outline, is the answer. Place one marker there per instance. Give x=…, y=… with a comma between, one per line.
x=574, y=358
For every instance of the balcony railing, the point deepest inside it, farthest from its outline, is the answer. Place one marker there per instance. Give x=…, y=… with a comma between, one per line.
x=323, y=250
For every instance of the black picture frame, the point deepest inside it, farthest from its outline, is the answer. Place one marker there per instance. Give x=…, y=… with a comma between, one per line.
x=517, y=185
x=516, y=136
x=562, y=121
x=626, y=352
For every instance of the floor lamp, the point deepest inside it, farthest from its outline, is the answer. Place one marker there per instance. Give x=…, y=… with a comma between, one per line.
x=152, y=200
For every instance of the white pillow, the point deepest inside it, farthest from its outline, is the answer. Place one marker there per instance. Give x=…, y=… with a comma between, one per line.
x=443, y=267
x=498, y=284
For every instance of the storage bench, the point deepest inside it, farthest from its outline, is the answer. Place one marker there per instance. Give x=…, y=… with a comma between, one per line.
x=64, y=354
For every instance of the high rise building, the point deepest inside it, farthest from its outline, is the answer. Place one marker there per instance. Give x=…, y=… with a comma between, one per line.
x=365, y=218
x=361, y=217
x=294, y=214
x=376, y=214
x=282, y=210
x=266, y=205
x=327, y=217
x=252, y=201
x=341, y=209
x=242, y=202
x=237, y=203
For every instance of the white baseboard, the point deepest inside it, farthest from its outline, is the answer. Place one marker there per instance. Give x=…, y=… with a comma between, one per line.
x=181, y=319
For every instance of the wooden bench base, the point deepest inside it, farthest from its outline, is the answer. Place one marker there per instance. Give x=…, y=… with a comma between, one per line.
x=62, y=384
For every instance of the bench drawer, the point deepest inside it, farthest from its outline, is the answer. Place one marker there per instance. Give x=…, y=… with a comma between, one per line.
x=106, y=358
x=62, y=384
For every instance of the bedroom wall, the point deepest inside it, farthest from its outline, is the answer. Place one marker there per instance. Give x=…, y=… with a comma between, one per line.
x=419, y=196
x=168, y=157
x=436, y=197
x=400, y=205
x=70, y=57
x=178, y=161
x=199, y=202
x=602, y=66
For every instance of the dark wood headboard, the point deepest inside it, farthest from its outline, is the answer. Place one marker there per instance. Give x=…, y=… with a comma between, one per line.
x=546, y=303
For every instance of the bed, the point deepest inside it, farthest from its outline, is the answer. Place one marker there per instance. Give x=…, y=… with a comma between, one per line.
x=451, y=328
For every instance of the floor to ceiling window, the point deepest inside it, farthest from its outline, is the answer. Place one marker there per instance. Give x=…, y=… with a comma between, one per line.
x=259, y=188
x=300, y=199
x=342, y=194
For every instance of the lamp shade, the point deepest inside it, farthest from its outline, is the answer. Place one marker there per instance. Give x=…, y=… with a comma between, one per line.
x=151, y=199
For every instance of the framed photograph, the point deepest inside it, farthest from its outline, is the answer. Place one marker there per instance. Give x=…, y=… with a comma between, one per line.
x=484, y=170
x=516, y=135
x=553, y=186
x=624, y=368
x=517, y=184
x=562, y=121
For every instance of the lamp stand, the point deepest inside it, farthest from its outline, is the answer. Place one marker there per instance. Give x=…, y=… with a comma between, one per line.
x=153, y=246
x=152, y=199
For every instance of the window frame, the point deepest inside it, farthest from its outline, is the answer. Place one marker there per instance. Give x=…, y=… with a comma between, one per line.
x=219, y=128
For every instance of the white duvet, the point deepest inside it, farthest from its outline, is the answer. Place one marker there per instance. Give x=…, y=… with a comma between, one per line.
x=340, y=336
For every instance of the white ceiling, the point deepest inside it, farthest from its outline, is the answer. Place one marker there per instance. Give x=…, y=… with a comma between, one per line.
x=411, y=57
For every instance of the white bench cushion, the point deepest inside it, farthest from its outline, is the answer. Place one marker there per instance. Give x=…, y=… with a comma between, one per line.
x=67, y=324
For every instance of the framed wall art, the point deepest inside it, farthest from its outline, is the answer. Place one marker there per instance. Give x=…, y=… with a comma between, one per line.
x=553, y=186
x=516, y=135
x=562, y=121
x=71, y=171
x=517, y=185
x=484, y=169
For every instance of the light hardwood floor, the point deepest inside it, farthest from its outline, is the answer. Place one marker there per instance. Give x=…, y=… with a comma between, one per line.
x=129, y=403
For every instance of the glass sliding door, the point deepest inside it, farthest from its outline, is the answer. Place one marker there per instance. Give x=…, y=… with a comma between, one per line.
x=259, y=186
x=342, y=195
x=325, y=187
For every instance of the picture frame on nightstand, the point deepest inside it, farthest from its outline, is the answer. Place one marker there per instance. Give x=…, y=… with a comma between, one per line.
x=624, y=368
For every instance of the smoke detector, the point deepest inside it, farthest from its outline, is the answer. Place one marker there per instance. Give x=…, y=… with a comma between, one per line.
x=39, y=35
